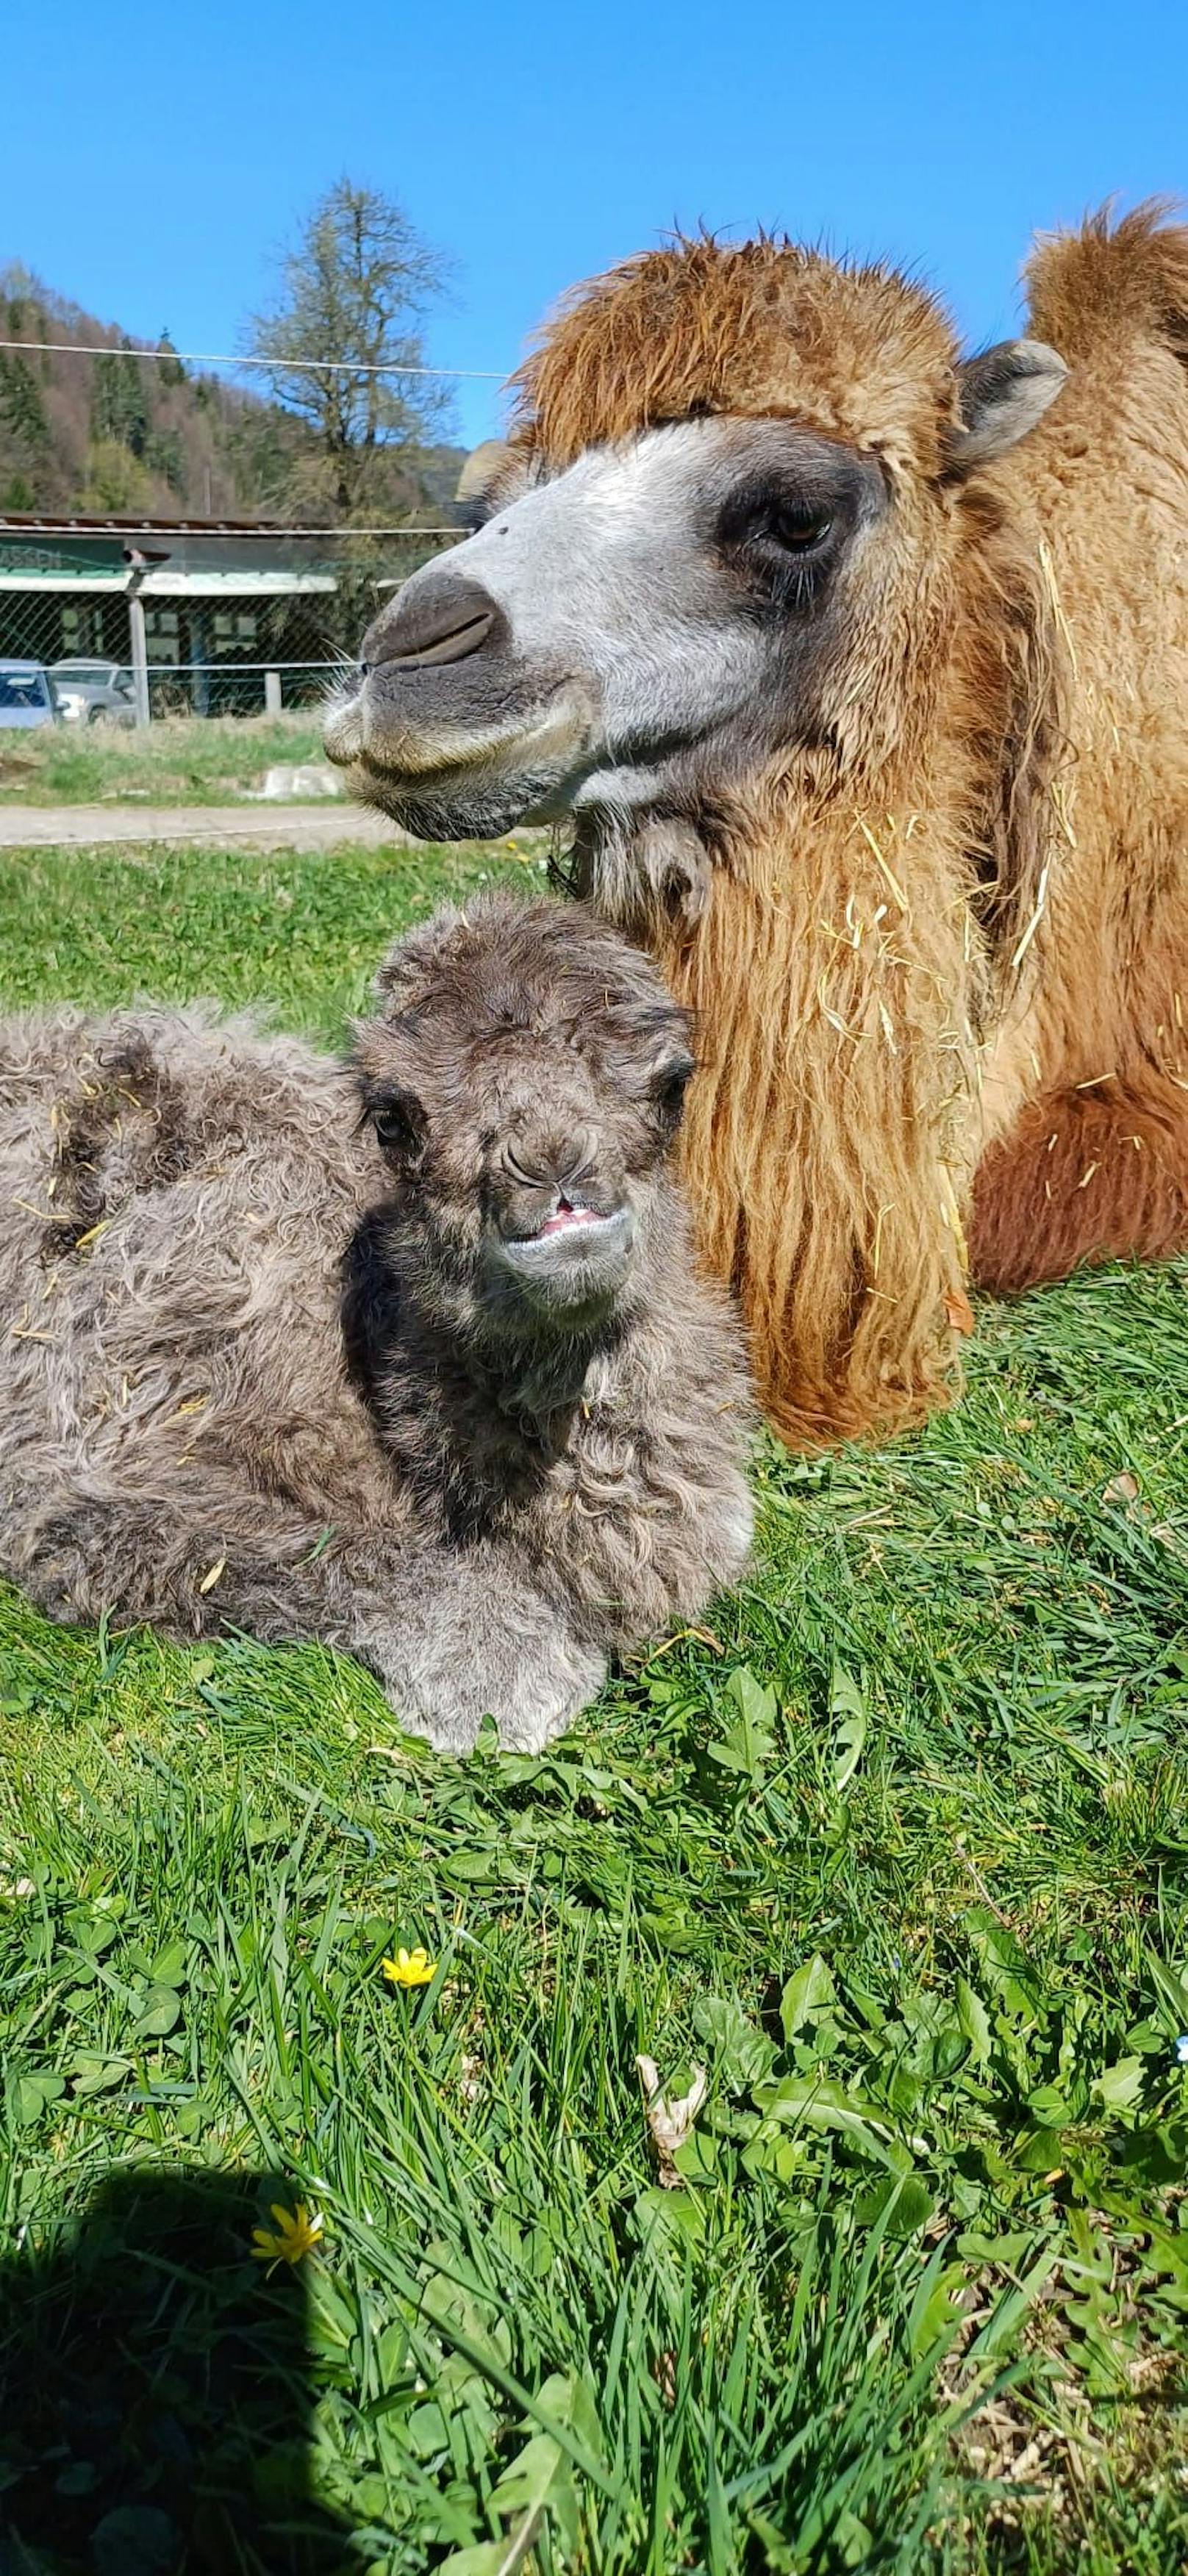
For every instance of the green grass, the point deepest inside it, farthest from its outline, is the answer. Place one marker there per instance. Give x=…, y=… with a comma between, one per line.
x=898, y=1855
x=300, y=935
x=181, y=760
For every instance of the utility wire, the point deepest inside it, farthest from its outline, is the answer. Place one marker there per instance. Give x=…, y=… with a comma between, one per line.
x=64, y=528
x=276, y=366
x=341, y=663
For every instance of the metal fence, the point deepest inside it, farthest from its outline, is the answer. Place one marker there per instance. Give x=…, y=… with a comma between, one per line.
x=229, y=627
x=209, y=615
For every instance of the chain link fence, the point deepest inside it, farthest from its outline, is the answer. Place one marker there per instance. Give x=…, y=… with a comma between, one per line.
x=235, y=622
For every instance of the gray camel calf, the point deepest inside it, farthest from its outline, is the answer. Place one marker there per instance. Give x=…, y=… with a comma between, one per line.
x=410, y=1356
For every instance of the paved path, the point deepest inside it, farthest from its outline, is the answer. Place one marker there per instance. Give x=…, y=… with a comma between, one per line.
x=261, y=827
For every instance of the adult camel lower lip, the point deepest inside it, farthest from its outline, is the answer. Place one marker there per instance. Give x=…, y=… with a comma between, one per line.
x=345, y=742
x=418, y=782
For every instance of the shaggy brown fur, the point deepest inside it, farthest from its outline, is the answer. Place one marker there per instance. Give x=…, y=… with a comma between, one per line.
x=527, y=1450
x=929, y=933
x=762, y=329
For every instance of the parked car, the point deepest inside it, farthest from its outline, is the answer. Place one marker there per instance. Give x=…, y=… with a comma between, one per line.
x=27, y=697
x=88, y=691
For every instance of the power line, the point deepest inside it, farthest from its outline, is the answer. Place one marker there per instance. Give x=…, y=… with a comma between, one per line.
x=277, y=366
x=210, y=530
x=224, y=670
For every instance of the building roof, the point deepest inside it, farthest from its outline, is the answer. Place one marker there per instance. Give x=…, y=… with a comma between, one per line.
x=204, y=558
x=203, y=583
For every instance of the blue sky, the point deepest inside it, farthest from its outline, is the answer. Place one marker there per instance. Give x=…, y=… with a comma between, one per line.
x=153, y=157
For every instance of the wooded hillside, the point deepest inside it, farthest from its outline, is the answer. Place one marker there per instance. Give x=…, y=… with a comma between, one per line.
x=116, y=433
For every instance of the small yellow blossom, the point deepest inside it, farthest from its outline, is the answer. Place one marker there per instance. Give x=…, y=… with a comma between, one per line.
x=410, y=1968
x=297, y=2232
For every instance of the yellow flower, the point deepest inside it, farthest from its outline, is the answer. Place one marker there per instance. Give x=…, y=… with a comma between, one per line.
x=297, y=2232
x=410, y=1968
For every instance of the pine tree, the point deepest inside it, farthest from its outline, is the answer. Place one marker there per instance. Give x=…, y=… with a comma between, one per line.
x=170, y=370
x=21, y=409
x=119, y=400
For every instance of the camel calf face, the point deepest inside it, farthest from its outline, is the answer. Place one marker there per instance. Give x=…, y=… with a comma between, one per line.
x=525, y=1116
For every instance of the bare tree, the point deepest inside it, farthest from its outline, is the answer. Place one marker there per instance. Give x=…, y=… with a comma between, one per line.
x=354, y=287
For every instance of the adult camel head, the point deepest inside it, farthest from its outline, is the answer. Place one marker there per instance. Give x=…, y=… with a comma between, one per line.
x=726, y=508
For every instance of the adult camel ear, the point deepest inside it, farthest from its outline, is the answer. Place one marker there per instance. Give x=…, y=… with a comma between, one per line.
x=492, y=476
x=1002, y=395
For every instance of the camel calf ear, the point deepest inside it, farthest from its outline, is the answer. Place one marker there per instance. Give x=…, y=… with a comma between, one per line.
x=1002, y=395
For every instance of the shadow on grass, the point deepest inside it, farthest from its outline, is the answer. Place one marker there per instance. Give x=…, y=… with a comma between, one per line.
x=156, y=2392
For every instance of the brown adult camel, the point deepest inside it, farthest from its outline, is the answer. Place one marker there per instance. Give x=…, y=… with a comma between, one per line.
x=862, y=669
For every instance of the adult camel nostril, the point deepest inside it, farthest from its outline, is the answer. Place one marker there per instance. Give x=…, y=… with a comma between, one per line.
x=442, y=622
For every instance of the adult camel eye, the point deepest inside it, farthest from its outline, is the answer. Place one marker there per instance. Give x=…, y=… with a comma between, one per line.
x=797, y=531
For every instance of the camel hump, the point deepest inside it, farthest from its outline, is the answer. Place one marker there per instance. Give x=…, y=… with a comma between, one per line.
x=1111, y=282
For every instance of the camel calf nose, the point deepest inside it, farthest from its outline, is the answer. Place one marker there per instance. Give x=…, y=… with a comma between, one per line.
x=443, y=617
x=550, y=1158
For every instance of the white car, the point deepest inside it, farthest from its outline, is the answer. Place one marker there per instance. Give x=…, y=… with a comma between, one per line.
x=91, y=692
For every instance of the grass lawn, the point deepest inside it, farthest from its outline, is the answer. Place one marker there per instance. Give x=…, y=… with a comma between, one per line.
x=180, y=760
x=897, y=1854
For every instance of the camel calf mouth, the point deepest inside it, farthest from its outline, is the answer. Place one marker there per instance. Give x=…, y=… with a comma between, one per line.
x=565, y=1215
x=577, y=1258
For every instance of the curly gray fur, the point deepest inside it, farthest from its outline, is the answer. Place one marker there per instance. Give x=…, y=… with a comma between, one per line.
x=437, y=1383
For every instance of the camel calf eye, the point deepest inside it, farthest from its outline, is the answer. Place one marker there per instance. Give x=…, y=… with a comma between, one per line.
x=669, y=1088
x=399, y=1123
